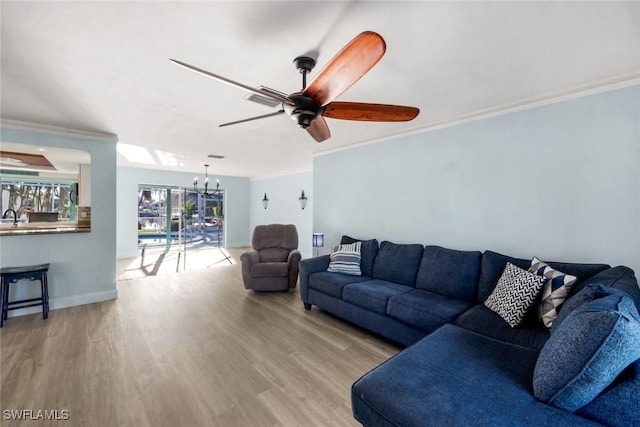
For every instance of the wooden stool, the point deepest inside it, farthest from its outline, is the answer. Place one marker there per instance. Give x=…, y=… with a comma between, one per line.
x=11, y=275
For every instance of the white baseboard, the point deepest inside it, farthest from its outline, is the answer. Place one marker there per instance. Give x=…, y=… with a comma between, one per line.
x=125, y=254
x=70, y=301
x=237, y=244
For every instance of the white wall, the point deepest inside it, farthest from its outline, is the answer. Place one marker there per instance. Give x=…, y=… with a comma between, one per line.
x=83, y=265
x=284, y=208
x=561, y=182
x=236, y=193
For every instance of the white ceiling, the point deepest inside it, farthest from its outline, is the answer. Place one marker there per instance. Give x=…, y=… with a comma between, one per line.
x=104, y=66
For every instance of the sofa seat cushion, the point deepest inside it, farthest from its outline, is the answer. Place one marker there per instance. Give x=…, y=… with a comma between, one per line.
x=373, y=294
x=426, y=310
x=454, y=377
x=484, y=321
x=397, y=263
x=449, y=272
x=333, y=283
x=270, y=269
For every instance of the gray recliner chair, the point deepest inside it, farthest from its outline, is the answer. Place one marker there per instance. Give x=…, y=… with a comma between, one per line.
x=272, y=264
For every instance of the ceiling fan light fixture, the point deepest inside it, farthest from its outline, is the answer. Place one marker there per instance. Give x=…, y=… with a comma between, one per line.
x=215, y=156
x=303, y=118
x=304, y=111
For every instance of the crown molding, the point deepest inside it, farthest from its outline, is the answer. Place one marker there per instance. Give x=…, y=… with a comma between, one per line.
x=592, y=89
x=56, y=130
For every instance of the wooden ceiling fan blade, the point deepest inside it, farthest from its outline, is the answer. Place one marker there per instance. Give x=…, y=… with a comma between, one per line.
x=263, y=116
x=319, y=130
x=233, y=83
x=367, y=112
x=347, y=67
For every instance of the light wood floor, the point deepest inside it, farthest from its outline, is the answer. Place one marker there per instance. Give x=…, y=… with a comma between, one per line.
x=188, y=349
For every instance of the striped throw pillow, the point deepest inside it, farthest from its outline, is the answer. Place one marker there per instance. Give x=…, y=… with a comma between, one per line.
x=345, y=259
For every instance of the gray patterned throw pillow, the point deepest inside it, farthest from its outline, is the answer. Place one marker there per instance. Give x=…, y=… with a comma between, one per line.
x=554, y=292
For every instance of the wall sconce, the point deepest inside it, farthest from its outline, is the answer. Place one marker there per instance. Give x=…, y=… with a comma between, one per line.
x=318, y=241
x=265, y=201
x=303, y=200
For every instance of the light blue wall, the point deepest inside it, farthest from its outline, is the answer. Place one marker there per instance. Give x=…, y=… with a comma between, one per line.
x=560, y=182
x=284, y=208
x=83, y=266
x=237, y=209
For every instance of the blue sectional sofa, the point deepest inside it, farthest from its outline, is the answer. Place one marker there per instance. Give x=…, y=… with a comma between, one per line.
x=464, y=364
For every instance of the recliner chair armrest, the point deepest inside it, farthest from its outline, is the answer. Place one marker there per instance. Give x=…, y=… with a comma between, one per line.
x=294, y=257
x=292, y=262
x=248, y=259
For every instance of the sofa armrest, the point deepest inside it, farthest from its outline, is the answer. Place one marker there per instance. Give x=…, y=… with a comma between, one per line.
x=292, y=263
x=308, y=267
x=248, y=259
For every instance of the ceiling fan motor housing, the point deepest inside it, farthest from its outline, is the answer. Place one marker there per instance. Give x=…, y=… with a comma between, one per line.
x=304, y=111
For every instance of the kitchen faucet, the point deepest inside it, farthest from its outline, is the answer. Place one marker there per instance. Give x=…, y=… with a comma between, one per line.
x=15, y=216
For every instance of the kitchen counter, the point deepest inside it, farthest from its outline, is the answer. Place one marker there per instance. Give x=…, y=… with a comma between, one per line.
x=28, y=229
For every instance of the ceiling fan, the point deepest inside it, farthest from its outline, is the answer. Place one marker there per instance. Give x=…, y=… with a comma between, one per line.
x=309, y=106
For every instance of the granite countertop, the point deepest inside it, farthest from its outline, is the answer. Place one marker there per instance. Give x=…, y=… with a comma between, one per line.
x=28, y=229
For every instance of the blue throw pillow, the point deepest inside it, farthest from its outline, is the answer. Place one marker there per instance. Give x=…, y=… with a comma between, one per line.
x=589, y=293
x=587, y=351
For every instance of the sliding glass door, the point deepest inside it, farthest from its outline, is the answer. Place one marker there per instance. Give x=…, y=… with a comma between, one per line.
x=179, y=220
x=160, y=219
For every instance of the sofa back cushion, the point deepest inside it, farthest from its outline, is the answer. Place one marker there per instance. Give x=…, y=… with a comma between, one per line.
x=612, y=280
x=450, y=272
x=493, y=264
x=587, y=351
x=368, y=252
x=620, y=277
x=397, y=263
x=607, y=408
